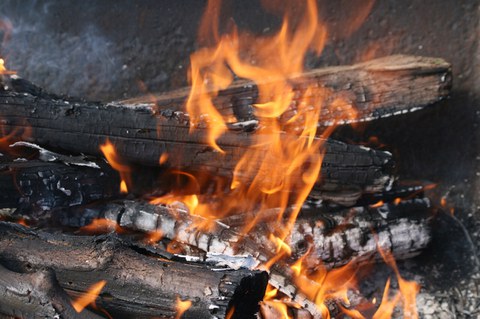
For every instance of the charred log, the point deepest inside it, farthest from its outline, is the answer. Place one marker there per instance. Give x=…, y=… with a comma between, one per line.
x=378, y=88
x=35, y=295
x=40, y=186
x=138, y=284
x=142, y=134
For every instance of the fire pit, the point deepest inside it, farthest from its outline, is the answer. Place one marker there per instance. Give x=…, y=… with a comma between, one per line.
x=272, y=186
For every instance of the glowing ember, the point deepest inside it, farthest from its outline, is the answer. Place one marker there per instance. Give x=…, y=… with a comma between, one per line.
x=377, y=204
x=89, y=297
x=181, y=307
x=111, y=155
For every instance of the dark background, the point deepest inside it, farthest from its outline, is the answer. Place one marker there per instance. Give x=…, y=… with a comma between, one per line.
x=111, y=49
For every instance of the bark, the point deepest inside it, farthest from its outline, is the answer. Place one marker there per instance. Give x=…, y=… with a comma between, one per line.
x=142, y=134
x=378, y=88
x=138, y=284
x=36, y=295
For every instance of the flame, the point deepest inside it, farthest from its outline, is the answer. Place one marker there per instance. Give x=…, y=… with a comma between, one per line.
x=284, y=160
x=181, y=307
x=274, y=309
x=88, y=297
x=113, y=159
x=163, y=158
x=230, y=313
x=377, y=204
x=408, y=289
x=23, y=222
x=4, y=70
x=101, y=226
x=21, y=131
x=153, y=237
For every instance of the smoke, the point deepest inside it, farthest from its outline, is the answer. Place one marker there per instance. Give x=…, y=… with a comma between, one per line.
x=75, y=60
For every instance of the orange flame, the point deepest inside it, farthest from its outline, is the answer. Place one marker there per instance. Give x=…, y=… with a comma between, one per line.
x=283, y=163
x=274, y=309
x=153, y=237
x=230, y=313
x=3, y=68
x=408, y=289
x=181, y=307
x=88, y=297
x=111, y=155
x=101, y=226
x=377, y=204
x=284, y=160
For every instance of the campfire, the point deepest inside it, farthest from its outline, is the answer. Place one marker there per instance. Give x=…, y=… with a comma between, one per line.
x=242, y=195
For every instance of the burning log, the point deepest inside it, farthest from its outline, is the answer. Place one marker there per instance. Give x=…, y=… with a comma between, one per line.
x=143, y=133
x=379, y=88
x=138, y=284
x=337, y=238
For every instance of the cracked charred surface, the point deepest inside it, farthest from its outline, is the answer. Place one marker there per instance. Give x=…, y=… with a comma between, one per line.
x=375, y=89
x=139, y=283
x=141, y=134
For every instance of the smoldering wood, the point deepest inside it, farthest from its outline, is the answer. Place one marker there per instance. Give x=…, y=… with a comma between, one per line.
x=36, y=295
x=139, y=285
x=378, y=88
x=338, y=238
x=142, y=134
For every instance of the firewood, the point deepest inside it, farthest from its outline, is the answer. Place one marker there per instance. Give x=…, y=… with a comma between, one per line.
x=141, y=134
x=140, y=285
x=378, y=88
x=337, y=237
x=36, y=295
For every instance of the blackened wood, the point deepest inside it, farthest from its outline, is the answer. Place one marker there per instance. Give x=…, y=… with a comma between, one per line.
x=36, y=295
x=377, y=88
x=138, y=285
x=34, y=185
x=141, y=134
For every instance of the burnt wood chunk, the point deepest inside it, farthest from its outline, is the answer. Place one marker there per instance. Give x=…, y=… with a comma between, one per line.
x=41, y=186
x=139, y=283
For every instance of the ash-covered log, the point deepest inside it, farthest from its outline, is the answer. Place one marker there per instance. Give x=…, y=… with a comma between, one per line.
x=139, y=284
x=337, y=237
